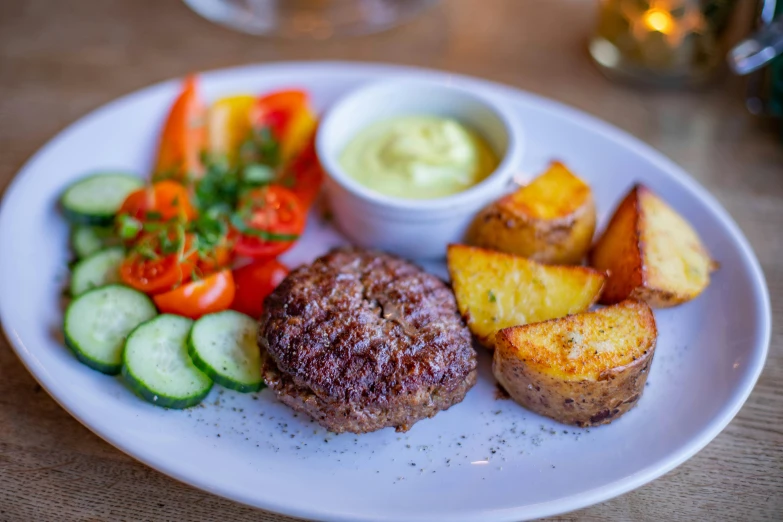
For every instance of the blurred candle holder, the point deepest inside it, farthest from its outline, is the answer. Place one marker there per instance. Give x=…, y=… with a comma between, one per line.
x=662, y=42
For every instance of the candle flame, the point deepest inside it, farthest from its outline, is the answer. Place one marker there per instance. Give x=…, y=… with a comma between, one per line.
x=659, y=20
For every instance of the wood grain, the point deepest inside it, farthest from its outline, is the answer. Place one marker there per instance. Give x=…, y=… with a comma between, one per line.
x=59, y=60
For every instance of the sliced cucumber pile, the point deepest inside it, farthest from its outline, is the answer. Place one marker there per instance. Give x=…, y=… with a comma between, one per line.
x=99, y=269
x=95, y=200
x=87, y=240
x=97, y=323
x=157, y=366
x=223, y=345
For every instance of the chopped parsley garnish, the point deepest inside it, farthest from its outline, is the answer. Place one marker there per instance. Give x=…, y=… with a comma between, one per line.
x=216, y=196
x=260, y=147
x=257, y=174
x=241, y=226
x=128, y=227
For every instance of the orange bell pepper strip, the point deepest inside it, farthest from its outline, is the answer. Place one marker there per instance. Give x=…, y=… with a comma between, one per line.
x=184, y=136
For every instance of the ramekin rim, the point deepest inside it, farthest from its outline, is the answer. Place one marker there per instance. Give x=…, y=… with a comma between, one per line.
x=500, y=176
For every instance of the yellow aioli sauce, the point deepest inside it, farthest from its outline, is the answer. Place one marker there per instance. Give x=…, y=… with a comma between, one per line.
x=418, y=157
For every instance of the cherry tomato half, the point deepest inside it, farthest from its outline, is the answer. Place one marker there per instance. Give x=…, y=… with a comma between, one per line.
x=156, y=273
x=205, y=296
x=152, y=276
x=275, y=219
x=160, y=201
x=254, y=282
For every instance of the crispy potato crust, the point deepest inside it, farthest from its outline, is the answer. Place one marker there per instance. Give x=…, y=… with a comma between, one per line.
x=585, y=369
x=651, y=253
x=551, y=220
x=496, y=290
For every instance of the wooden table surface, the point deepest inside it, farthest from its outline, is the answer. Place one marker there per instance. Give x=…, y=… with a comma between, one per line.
x=59, y=60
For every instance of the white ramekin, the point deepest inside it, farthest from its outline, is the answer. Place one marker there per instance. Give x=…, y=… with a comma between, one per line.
x=412, y=228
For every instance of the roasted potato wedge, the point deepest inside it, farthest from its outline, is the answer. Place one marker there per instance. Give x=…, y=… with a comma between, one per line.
x=551, y=220
x=652, y=253
x=585, y=369
x=496, y=290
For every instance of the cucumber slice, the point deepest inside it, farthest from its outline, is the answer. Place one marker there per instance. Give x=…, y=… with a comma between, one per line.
x=157, y=367
x=97, y=323
x=99, y=269
x=86, y=240
x=223, y=345
x=96, y=199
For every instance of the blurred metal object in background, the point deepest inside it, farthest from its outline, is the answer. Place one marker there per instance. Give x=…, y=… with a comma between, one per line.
x=318, y=19
x=758, y=50
x=662, y=42
x=762, y=56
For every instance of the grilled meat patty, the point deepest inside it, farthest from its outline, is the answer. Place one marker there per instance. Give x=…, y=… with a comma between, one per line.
x=362, y=340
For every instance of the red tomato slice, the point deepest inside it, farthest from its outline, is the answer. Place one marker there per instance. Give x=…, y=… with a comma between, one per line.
x=275, y=219
x=205, y=296
x=156, y=274
x=254, y=282
x=166, y=199
x=184, y=136
x=138, y=203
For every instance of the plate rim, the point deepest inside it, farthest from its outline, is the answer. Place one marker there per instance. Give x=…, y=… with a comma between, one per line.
x=611, y=132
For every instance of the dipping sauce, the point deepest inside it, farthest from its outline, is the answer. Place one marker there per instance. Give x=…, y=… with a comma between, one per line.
x=418, y=157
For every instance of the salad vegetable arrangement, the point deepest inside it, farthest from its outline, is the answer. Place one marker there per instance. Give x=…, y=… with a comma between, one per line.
x=171, y=274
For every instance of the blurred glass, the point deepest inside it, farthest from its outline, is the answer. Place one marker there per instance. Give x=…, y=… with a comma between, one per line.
x=309, y=18
x=664, y=42
x=765, y=87
x=758, y=50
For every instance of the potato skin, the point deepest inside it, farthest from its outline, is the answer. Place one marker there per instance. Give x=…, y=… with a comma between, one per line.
x=564, y=240
x=581, y=403
x=550, y=220
x=634, y=249
x=585, y=369
x=655, y=297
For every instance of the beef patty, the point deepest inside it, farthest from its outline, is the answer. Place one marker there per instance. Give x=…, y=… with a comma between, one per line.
x=362, y=340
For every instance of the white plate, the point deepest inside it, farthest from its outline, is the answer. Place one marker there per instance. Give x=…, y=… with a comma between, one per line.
x=482, y=460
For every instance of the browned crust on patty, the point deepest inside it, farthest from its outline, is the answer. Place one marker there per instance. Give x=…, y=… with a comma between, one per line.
x=361, y=340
